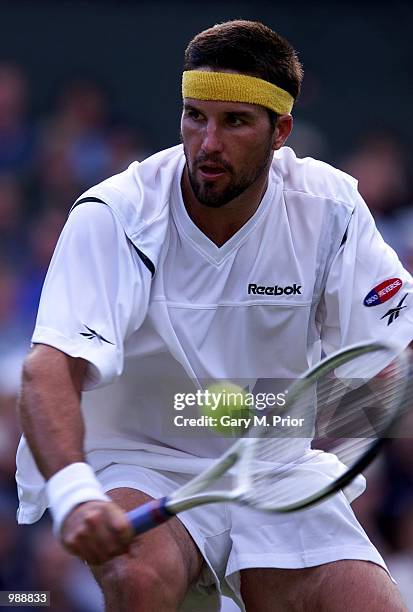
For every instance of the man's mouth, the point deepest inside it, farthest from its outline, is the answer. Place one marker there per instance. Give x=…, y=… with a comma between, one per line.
x=211, y=170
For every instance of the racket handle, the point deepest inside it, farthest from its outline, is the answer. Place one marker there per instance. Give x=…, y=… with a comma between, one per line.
x=149, y=515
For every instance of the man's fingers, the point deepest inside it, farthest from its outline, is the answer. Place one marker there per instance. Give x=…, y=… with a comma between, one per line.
x=96, y=547
x=97, y=531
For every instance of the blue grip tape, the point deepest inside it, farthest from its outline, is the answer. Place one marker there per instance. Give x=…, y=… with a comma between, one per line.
x=149, y=515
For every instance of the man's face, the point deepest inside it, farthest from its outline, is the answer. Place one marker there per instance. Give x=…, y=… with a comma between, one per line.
x=228, y=146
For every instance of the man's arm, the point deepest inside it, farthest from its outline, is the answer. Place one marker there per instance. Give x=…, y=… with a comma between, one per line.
x=52, y=422
x=49, y=408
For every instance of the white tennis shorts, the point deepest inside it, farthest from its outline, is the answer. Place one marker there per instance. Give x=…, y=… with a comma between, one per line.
x=232, y=537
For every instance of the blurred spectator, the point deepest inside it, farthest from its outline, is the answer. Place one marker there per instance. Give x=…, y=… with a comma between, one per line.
x=126, y=146
x=43, y=234
x=398, y=486
x=381, y=166
x=404, y=227
x=12, y=221
x=9, y=319
x=16, y=133
x=308, y=141
x=13, y=547
x=81, y=144
x=395, y=513
x=74, y=147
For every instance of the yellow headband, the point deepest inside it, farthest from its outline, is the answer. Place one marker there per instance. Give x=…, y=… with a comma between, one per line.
x=231, y=87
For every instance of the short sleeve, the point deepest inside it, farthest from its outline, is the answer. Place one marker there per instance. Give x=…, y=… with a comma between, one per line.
x=95, y=294
x=368, y=293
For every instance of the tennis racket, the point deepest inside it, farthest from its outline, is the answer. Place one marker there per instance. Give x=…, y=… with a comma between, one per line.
x=350, y=403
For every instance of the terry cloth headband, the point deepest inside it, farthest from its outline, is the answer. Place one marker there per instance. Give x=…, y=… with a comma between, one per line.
x=231, y=87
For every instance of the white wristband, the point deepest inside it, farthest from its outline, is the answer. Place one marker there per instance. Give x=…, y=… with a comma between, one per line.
x=74, y=484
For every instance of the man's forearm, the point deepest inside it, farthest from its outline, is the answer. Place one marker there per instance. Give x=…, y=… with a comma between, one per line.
x=49, y=408
x=88, y=523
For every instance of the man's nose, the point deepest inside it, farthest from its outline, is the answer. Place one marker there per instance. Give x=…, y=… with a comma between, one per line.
x=212, y=141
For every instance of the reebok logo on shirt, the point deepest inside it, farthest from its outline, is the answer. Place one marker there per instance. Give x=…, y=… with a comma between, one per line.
x=274, y=290
x=91, y=333
x=394, y=313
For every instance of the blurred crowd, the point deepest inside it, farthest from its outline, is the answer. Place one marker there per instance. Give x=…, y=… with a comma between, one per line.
x=45, y=164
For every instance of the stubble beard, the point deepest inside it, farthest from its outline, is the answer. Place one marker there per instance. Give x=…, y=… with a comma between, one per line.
x=208, y=193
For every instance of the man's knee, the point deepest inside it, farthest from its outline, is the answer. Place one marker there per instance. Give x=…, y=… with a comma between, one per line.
x=138, y=584
x=361, y=585
x=141, y=579
x=332, y=587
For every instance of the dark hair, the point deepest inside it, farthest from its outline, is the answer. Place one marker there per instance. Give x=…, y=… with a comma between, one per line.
x=249, y=47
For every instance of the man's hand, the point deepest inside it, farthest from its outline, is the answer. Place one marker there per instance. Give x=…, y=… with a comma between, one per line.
x=96, y=531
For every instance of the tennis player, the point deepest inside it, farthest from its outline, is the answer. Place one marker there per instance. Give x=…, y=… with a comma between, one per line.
x=225, y=257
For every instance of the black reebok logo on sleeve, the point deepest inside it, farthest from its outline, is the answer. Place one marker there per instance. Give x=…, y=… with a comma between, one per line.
x=393, y=313
x=91, y=333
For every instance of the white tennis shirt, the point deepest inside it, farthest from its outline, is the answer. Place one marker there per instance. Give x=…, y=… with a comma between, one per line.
x=155, y=307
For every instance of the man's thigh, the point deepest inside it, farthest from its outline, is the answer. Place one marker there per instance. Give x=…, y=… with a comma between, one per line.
x=341, y=586
x=163, y=559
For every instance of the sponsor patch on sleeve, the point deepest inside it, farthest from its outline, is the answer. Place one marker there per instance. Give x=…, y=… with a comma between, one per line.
x=383, y=292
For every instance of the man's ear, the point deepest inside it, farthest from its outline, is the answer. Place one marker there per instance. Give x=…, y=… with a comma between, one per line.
x=283, y=129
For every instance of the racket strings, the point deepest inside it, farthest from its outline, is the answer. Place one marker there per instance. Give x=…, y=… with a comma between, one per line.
x=347, y=416
x=344, y=423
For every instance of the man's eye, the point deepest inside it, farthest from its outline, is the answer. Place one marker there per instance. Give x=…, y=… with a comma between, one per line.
x=193, y=114
x=234, y=121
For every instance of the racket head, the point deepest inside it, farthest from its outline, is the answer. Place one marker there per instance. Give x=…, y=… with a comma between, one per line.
x=349, y=404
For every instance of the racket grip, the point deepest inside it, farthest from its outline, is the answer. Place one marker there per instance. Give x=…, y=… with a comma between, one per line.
x=149, y=515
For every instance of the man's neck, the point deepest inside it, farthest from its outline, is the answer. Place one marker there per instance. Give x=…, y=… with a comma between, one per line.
x=220, y=224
